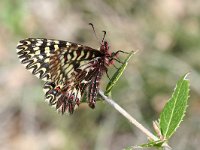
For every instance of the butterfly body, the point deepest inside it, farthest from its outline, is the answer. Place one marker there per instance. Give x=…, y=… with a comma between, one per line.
x=69, y=70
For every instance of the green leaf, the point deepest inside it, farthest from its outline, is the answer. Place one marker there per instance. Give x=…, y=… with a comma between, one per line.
x=175, y=109
x=117, y=75
x=157, y=144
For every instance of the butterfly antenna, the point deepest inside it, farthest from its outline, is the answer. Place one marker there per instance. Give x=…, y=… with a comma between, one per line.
x=104, y=35
x=94, y=32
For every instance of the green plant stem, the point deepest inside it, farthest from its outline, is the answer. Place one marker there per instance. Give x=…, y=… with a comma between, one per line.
x=128, y=116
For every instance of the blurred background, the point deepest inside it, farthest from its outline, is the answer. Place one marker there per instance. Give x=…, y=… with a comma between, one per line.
x=167, y=35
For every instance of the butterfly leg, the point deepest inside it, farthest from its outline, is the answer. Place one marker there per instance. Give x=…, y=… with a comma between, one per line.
x=114, y=56
x=108, y=74
x=115, y=67
x=120, y=51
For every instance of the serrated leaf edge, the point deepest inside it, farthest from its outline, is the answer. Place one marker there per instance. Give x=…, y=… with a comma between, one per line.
x=184, y=78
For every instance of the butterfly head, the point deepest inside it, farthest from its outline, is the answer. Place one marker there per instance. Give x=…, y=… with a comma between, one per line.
x=108, y=56
x=104, y=47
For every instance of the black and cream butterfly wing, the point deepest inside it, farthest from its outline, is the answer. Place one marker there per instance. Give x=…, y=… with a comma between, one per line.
x=34, y=54
x=47, y=58
x=69, y=66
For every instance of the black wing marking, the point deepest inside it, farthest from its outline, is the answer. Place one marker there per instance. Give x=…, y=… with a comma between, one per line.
x=70, y=69
x=67, y=96
x=35, y=53
x=39, y=56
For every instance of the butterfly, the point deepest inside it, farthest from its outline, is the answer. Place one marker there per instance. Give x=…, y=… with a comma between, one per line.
x=70, y=70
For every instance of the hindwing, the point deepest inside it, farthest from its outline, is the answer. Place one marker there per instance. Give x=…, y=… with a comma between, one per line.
x=68, y=69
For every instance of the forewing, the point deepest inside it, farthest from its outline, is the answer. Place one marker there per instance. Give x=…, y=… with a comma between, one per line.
x=68, y=62
x=35, y=53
